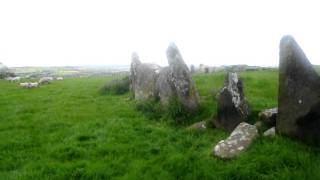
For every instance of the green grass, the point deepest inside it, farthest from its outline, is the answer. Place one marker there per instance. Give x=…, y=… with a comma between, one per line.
x=68, y=130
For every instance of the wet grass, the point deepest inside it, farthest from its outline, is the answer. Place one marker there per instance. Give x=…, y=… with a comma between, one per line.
x=68, y=130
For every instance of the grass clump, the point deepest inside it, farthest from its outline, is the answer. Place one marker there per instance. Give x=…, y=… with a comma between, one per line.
x=116, y=86
x=177, y=111
x=174, y=111
x=151, y=109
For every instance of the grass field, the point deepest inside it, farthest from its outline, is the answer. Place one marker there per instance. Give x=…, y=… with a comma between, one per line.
x=68, y=130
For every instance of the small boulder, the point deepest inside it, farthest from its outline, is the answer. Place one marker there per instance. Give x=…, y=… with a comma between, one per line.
x=270, y=132
x=4, y=71
x=239, y=140
x=299, y=94
x=269, y=116
x=199, y=126
x=232, y=105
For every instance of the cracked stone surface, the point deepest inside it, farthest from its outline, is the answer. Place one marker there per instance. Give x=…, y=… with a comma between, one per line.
x=239, y=140
x=232, y=105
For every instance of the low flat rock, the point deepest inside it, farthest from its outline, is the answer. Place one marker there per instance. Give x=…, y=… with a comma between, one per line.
x=232, y=105
x=198, y=126
x=269, y=116
x=299, y=94
x=239, y=140
x=270, y=132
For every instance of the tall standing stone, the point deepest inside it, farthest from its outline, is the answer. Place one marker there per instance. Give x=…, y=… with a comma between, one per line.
x=135, y=62
x=232, y=105
x=143, y=77
x=181, y=80
x=299, y=94
x=3, y=71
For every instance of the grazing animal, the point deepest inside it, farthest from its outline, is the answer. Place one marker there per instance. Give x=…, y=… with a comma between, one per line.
x=29, y=85
x=46, y=80
x=59, y=78
x=24, y=85
x=33, y=85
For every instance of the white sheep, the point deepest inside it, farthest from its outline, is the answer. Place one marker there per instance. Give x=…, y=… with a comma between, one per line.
x=45, y=80
x=59, y=78
x=24, y=85
x=33, y=85
x=29, y=85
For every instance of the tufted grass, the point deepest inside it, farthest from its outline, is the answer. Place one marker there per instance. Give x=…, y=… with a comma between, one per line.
x=68, y=130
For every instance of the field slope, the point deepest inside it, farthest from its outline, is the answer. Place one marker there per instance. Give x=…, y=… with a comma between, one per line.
x=68, y=130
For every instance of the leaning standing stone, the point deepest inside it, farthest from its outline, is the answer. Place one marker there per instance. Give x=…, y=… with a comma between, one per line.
x=180, y=80
x=299, y=94
x=232, y=105
x=239, y=140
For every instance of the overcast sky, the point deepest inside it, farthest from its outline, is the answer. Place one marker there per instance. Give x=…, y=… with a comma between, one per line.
x=76, y=32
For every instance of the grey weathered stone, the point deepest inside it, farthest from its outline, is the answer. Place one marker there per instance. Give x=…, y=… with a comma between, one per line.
x=232, y=105
x=239, y=140
x=3, y=70
x=270, y=132
x=299, y=94
x=269, y=116
x=143, y=77
x=135, y=62
x=165, y=87
x=258, y=124
x=199, y=126
x=149, y=81
x=176, y=80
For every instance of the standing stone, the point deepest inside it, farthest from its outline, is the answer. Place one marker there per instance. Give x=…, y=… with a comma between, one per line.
x=299, y=94
x=232, y=105
x=165, y=86
x=3, y=71
x=181, y=80
x=269, y=116
x=135, y=62
x=143, y=77
x=239, y=140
